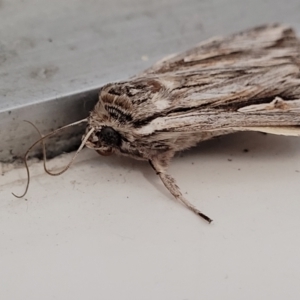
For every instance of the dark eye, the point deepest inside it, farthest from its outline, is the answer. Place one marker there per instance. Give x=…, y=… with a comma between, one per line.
x=109, y=136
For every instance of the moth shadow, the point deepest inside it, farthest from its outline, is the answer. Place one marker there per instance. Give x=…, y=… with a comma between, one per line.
x=143, y=167
x=128, y=165
x=259, y=145
x=239, y=145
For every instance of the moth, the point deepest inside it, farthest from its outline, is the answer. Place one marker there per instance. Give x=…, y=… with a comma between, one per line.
x=249, y=81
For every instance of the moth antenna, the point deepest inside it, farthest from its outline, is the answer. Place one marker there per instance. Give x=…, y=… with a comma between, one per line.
x=41, y=140
x=45, y=154
x=72, y=159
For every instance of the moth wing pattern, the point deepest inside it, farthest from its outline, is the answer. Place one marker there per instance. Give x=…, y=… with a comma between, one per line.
x=247, y=81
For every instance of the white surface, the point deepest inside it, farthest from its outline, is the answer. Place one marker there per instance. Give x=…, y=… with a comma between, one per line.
x=107, y=229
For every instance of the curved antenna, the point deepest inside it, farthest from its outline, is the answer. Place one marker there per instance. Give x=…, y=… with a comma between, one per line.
x=72, y=159
x=41, y=140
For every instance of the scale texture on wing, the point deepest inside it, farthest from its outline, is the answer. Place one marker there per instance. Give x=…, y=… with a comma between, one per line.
x=245, y=81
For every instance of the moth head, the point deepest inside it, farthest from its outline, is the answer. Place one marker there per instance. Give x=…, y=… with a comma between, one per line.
x=105, y=140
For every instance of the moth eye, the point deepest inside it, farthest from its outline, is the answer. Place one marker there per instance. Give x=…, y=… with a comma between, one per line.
x=109, y=136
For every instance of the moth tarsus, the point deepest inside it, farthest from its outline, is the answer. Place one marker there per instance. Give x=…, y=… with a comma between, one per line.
x=206, y=218
x=249, y=81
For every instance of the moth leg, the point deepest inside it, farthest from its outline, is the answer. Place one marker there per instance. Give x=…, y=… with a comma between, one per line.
x=171, y=185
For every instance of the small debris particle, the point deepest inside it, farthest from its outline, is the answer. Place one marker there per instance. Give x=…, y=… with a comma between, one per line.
x=229, y=159
x=246, y=150
x=145, y=58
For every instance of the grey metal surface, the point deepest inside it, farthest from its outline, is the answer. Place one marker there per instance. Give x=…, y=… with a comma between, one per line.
x=53, y=48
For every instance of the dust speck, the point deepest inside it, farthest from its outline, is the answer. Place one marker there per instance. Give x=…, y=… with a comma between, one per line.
x=145, y=58
x=43, y=73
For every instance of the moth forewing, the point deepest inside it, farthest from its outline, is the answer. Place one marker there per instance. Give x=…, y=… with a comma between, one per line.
x=249, y=81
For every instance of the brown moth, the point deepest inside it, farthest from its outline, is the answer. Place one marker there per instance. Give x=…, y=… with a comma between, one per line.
x=249, y=81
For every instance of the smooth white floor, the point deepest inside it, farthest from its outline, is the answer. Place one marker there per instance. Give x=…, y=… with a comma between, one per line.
x=108, y=229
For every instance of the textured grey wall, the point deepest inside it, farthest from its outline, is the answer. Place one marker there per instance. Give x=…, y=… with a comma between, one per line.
x=53, y=48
